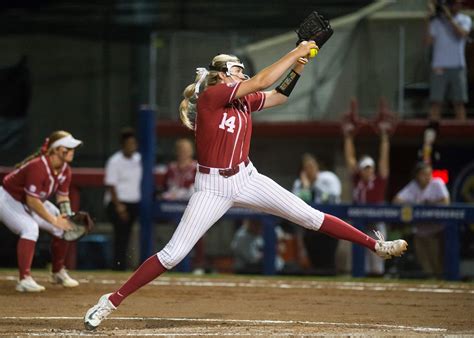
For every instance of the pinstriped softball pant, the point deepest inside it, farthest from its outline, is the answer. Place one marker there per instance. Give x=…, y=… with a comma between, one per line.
x=23, y=223
x=215, y=194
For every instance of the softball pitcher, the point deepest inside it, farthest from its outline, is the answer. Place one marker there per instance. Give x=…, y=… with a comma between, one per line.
x=24, y=206
x=221, y=101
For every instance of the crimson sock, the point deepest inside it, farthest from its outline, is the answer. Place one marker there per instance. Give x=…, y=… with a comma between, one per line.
x=148, y=271
x=339, y=229
x=59, y=249
x=25, y=250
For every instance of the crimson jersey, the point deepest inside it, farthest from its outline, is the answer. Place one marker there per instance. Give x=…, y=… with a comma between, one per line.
x=224, y=125
x=36, y=178
x=372, y=192
x=176, y=177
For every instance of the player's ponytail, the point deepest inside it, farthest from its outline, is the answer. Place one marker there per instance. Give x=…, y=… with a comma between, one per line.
x=204, y=78
x=187, y=106
x=45, y=148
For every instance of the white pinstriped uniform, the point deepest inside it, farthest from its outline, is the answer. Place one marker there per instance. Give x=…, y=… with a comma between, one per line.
x=223, y=132
x=23, y=222
x=215, y=194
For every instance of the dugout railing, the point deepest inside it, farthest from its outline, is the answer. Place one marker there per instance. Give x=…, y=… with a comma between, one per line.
x=451, y=216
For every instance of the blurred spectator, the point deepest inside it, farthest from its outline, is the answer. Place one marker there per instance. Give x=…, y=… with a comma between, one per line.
x=315, y=186
x=123, y=174
x=428, y=153
x=369, y=185
x=448, y=31
x=467, y=192
x=179, y=185
x=424, y=189
x=179, y=177
x=247, y=246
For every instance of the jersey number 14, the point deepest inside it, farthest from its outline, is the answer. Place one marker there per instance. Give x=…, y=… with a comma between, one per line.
x=227, y=122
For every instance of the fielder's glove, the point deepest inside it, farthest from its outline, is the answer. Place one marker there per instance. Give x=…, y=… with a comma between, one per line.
x=315, y=27
x=81, y=223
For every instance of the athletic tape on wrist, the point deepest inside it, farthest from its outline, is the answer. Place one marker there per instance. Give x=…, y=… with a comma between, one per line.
x=288, y=83
x=65, y=208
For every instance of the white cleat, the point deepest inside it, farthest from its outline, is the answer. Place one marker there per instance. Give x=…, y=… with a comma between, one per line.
x=96, y=314
x=388, y=249
x=63, y=278
x=28, y=284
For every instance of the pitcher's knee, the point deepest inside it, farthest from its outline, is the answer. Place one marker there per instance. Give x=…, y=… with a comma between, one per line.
x=311, y=220
x=170, y=258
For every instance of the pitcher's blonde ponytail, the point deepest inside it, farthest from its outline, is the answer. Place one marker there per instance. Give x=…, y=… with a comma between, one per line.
x=204, y=78
x=187, y=106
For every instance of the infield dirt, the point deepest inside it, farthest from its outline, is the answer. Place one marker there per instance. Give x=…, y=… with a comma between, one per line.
x=224, y=305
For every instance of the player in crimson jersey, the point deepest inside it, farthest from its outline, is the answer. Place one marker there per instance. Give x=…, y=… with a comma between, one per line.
x=221, y=101
x=24, y=206
x=179, y=177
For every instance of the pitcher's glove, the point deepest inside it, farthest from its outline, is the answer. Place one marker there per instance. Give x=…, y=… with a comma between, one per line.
x=81, y=223
x=315, y=27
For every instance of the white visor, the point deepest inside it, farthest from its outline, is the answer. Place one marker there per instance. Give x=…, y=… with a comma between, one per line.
x=230, y=64
x=68, y=142
x=366, y=162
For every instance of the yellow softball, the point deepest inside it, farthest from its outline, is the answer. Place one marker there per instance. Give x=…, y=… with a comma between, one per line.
x=313, y=52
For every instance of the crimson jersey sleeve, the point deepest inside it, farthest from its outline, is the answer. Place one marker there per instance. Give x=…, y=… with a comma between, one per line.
x=219, y=95
x=65, y=182
x=34, y=179
x=255, y=101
